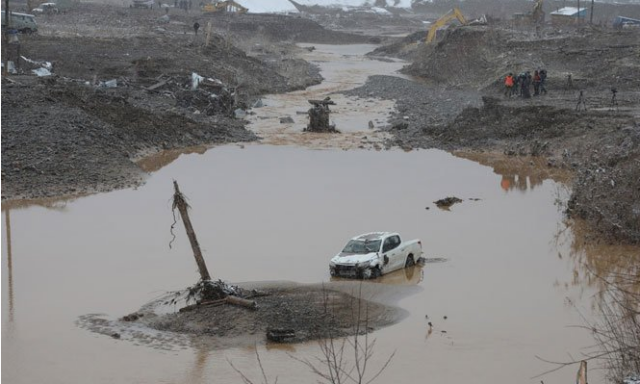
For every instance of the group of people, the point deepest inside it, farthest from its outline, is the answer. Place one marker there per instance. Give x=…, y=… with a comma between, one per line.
x=520, y=85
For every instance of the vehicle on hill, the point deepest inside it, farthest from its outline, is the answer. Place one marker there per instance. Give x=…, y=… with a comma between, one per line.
x=23, y=22
x=47, y=9
x=148, y=4
x=371, y=255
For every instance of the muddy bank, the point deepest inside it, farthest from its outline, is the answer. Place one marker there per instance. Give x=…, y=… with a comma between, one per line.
x=309, y=312
x=418, y=106
x=68, y=139
x=458, y=104
x=602, y=148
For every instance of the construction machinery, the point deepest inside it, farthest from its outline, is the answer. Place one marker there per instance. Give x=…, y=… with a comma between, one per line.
x=229, y=6
x=535, y=17
x=537, y=14
x=443, y=20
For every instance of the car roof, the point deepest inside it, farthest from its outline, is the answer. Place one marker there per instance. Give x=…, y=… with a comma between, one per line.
x=373, y=236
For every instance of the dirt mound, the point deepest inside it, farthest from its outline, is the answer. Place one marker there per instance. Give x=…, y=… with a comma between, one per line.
x=310, y=313
x=306, y=312
x=405, y=49
x=289, y=28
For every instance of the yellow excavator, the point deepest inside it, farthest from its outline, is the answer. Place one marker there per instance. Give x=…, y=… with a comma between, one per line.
x=534, y=17
x=224, y=6
x=447, y=17
x=537, y=15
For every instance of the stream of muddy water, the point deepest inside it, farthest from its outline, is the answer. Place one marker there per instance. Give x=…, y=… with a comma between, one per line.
x=503, y=282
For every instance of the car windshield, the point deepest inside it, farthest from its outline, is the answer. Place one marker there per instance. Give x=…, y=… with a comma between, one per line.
x=362, y=246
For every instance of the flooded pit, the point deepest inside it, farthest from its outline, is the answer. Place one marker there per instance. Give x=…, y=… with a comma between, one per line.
x=501, y=284
x=505, y=270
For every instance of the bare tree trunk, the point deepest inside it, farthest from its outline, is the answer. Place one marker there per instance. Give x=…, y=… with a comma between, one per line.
x=181, y=204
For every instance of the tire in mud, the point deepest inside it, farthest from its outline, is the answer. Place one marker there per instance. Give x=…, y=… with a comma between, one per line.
x=410, y=262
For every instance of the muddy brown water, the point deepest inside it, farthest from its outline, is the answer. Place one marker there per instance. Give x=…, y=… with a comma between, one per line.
x=503, y=267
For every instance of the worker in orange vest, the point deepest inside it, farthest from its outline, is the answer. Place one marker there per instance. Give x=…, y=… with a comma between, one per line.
x=508, y=84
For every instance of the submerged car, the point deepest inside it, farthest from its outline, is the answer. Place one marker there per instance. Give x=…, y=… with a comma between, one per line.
x=374, y=254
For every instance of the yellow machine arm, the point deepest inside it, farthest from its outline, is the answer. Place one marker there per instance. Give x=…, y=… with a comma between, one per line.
x=447, y=17
x=537, y=15
x=224, y=6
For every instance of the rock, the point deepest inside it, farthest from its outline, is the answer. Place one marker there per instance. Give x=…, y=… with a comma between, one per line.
x=286, y=120
x=239, y=113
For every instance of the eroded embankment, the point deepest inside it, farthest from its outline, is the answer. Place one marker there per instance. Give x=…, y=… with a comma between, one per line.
x=69, y=139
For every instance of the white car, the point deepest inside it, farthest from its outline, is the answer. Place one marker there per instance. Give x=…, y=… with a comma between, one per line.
x=374, y=254
x=47, y=8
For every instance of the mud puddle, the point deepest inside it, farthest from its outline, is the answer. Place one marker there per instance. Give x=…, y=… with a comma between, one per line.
x=267, y=213
x=343, y=68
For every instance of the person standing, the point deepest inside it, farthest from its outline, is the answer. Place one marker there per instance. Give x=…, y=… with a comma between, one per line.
x=196, y=26
x=536, y=83
x=543, y=79
x=508, y=85
x=526, y=83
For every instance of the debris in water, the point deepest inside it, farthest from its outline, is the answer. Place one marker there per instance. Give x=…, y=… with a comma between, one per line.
x=319, y=116
x=286, y=120
x=280, y=335
x=447, y=202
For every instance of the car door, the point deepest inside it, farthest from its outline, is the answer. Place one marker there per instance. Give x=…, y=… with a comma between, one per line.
x=391, y=253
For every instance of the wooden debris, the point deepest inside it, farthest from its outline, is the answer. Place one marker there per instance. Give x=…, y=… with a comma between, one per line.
x=211, y=303
x=239, y=301
x=158, y=85
x=280, y=335
x=232, y=300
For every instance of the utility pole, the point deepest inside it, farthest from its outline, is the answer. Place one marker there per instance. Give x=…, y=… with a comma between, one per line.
x=591, y=15
x=578, y=14
x=181, y=204
x=5, y=40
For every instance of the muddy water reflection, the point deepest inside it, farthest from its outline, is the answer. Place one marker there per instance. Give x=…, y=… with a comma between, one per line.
x=279, y=213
